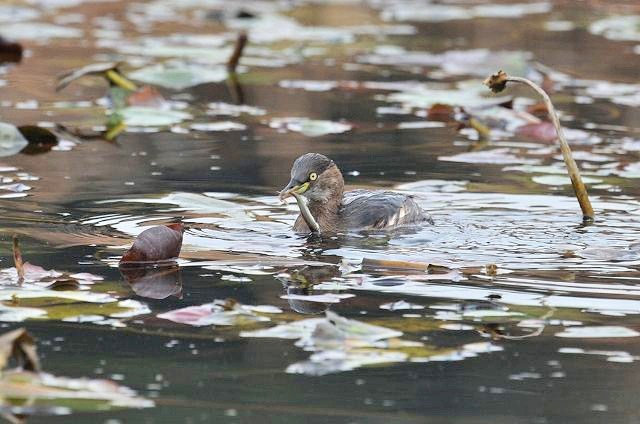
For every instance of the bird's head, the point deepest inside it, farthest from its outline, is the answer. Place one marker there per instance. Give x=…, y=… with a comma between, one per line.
x=314, y=176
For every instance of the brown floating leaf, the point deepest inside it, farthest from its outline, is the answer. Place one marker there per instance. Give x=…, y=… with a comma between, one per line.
x=17, y=259
x=18, y=344
x=381, y=265
x=156, y=244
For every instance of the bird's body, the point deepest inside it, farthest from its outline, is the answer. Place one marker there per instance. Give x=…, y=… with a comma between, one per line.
x=319, y=179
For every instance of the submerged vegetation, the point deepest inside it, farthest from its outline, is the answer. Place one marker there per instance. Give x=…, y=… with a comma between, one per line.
x=147, y=256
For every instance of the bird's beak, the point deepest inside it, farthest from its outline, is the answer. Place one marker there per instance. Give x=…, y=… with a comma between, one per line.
x=119, y=80
x=291, y=188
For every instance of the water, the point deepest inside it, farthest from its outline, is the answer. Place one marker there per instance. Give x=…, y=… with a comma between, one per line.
x=525, y=315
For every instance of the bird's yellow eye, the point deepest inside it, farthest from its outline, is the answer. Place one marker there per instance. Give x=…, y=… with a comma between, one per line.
x=313, y=176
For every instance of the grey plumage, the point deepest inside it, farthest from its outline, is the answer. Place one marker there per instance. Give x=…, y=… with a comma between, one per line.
x=381, y=209
x=318, y=179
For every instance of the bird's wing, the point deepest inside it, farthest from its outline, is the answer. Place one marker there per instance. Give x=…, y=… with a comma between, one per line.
x=380, y=209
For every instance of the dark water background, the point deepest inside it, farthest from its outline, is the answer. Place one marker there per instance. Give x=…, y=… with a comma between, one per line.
x=563, y=274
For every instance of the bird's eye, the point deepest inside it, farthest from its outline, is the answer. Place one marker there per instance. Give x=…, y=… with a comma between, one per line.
x=313, y=176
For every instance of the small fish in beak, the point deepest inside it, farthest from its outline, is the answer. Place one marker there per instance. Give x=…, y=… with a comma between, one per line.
x=293, y=188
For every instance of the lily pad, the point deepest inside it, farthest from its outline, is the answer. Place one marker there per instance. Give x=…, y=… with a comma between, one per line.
x=625, y=28
x=178, y=75
x=38, y=31
x=139, y=116
x=309, y=127
x=598, y=332
x=220, y=312
x=494, y=156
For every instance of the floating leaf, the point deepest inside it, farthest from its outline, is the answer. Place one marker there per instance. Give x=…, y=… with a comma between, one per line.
x=156, y=244
x=220, y=312
x=400, y=305
x=625, y=28
x=494, y=156
x=219, y=126
x=38, y=31
x=319, y=298
x=31, y=391
x=309, y=127
x=220, y=108
x=178, y=75
x=139, y=116
x=558, y=180
x=598, y=332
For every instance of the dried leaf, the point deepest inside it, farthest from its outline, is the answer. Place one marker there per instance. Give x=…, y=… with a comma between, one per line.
x=156, y=244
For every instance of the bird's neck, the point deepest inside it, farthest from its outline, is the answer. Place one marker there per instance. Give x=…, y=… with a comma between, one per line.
x=326, y=213
x=326, y=208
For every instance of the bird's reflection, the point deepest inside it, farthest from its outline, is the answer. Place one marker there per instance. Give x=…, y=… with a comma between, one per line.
x=154, y=282
x=300, y=282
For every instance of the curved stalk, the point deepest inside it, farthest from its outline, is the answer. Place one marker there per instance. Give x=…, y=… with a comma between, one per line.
x=497, y=83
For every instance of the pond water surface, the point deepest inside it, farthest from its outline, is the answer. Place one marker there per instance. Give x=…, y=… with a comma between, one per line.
x=508, y=310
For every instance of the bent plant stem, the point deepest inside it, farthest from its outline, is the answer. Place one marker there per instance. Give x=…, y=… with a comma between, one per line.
x=306, y=214
x=497, y=83
x=17, y=259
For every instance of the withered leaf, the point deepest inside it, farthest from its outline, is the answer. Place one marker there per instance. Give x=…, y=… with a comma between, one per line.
x=156, y=244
